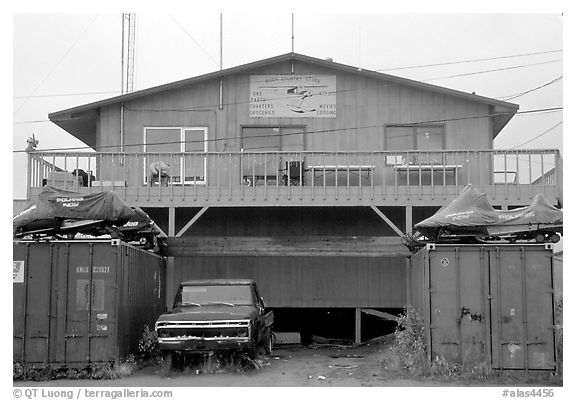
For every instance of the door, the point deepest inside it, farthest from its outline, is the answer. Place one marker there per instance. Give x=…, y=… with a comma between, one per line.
x=263, y=164
x=457, y=307
x=522, y=309
x=91, y=322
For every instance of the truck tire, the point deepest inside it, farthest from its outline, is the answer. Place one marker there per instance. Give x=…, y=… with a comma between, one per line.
x=167, y=362
x=269, y=344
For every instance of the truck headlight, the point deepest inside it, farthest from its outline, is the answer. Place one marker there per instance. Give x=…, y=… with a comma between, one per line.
x=243, y=332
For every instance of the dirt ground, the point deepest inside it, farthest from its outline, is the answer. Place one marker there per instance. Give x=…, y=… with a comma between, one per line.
x=294, y=366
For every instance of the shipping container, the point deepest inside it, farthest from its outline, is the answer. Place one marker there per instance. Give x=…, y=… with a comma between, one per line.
x=486, y=303
x=76, y=303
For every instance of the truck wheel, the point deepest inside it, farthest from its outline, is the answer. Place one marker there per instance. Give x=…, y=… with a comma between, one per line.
x=167, y=362
x=269, y=344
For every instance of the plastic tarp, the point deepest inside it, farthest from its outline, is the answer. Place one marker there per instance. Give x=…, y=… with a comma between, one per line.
x=471, y=209
x=60, y=204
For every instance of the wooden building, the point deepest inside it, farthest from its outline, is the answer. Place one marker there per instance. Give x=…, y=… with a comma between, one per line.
x=298, y=172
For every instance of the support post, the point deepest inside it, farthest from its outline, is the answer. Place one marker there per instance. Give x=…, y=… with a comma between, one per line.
x=358, y=329
x=409, y=222
x=171, y=221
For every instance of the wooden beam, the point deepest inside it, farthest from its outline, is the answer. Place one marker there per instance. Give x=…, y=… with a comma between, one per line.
x=387, y=220
x=409, y=219
x=358, y=327
x=191, y=222
x=357, y=246
x=171, y=221
x=380, y=314
x=162, y=233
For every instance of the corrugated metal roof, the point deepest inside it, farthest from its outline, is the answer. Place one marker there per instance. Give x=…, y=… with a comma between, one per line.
x=273, y=60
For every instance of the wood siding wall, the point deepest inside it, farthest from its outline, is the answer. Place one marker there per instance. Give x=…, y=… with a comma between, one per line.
x=366, y=105
x=307, y=281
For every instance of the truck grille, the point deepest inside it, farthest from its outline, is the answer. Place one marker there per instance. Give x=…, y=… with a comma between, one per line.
x=203, y=330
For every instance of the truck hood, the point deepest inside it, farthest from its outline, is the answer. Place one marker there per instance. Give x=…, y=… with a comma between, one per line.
x=210, y=313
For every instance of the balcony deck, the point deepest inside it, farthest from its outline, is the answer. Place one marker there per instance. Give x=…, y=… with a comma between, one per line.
x=508, y=177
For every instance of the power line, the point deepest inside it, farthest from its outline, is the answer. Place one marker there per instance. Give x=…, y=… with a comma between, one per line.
x=493, y=70
x=543, y=110
x=515, y=96
x=66, y=94
x=538, y=136
x=58, y=63
x=469, y=61
x=31, y=122
x=378, y=70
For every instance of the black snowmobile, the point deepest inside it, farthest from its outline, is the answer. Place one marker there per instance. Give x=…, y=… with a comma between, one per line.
x=63, y=214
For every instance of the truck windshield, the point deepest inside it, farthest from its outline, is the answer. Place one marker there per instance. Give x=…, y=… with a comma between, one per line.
x=217, y=294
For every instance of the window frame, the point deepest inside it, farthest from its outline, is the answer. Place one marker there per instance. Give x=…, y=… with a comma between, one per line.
x=400, y=159
x=281, y=142
x=414, y=134
x=183, y=151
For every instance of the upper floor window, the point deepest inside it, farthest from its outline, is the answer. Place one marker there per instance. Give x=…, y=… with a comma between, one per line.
x=416, y=137
x=173, y=146
x=273, y=138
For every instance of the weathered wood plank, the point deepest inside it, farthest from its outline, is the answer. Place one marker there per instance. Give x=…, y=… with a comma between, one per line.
x=366, y=246
x=381, y=314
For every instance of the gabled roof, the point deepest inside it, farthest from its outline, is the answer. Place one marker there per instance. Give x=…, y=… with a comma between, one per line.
x=64, y=117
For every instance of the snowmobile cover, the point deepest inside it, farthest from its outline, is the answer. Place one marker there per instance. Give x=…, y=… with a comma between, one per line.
x=55, y=203
x=471, y=209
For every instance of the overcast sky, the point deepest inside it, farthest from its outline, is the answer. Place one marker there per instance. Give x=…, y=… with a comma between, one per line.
x=66, y=60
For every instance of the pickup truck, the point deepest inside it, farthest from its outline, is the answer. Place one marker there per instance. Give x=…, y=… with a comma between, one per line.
x=218, y=315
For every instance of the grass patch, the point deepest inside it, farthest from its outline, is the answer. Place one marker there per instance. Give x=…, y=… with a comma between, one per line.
x=217, y=363
x=115, y=370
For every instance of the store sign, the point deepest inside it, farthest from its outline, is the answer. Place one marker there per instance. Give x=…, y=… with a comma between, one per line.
x=292, y=96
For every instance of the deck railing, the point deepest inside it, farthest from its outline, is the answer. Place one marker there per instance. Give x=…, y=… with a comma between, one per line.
x=512, y=176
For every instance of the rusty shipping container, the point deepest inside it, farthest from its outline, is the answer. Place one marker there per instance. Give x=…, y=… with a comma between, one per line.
x=486, y=303
x=81, y=302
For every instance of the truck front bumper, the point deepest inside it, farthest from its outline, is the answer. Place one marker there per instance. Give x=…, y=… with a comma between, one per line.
x=200, y=346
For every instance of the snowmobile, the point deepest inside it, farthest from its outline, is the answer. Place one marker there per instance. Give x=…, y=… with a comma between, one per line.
x=470, y=218
x=64, y=214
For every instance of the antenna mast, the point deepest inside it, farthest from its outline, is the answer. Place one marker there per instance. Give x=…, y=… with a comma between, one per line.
x=292, y=32
x=128, y=50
